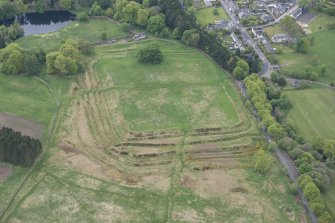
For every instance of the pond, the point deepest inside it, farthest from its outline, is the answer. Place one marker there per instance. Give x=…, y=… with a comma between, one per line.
x=41, y=23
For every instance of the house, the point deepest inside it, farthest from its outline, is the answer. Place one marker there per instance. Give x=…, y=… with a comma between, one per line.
x=220, y=25
x=139, y=36
x=244, y=14
x=266, y=18
x=258, y=33
x=277, y=9
x=208, y=3
x=296, y=13
x=236, y=43
x=233, y=7
x=280, y=38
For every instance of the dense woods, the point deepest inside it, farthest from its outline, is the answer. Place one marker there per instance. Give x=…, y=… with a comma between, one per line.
x=18, y=149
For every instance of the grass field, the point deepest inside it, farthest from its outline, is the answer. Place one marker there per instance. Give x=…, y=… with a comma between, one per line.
x=205, y=16
x=313, y=112
x=144, y=143
x=322, y=50
x=273, y=30
x=320, y=22
x=329, y=197
x=90, y=31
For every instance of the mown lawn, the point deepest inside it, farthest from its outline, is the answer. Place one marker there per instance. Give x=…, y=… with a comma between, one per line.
x=322, y=52
x=183, y=91
x=206, y=16
x=90, y=31
x=313, y=112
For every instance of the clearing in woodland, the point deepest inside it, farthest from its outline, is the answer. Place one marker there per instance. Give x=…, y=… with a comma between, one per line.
x=154, y=143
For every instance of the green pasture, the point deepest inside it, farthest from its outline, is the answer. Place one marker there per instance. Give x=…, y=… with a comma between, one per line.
x=206, y=16
x=322, y=52
x=313, y=112
x=90, y=31
x=184, y=91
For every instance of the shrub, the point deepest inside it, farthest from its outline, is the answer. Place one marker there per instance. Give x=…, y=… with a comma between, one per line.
x=103, y=36
x=311, y=191
x=325, y=217
x=82, y=17
x=150, y=54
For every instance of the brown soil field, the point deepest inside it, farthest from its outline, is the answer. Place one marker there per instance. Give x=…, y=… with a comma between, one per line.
x=4, y=173
x=25, y=126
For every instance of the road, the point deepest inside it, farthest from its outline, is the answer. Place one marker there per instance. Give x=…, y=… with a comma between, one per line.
x=267, y=67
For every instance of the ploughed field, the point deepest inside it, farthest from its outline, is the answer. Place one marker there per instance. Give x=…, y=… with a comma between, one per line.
x=153, y=143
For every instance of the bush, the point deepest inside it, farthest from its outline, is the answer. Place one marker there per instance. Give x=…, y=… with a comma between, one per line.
x=325, y=217
x=317, y=206
x=311, y=191
x=293, y=188
x=150, y=54
x=82, y=17
x=109, y=12
x=103, y=36
x=216, y=12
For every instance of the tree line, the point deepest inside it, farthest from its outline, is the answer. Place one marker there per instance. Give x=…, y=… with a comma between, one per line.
x=168, y=18
x=9, y=34
x=315, y=162
x=18, y=149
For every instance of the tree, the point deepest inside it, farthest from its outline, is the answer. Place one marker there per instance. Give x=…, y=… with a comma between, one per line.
x=11, y=59
x=302, y=45
x=191, y=37
x=239, y=73
x=66, y=60
x=156, y=24
x=130, y=12
x=150, y=54
x=146, y=3
x=109, y=12
x=216, y=12
x=96, y=9
x=263, y=162
x=241, y=70
x=311, y=191
x=291, y=27
x=276, y=131
x=64, y=4
x=325, y=217
x=82, y=16
x=142, y=17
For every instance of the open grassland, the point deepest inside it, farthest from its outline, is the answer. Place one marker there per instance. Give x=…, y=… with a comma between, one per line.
x=90, y=31
x=313, y=112
x=151, y=143
x=55, y=194
x=206, y=16
x=322, y=52
x=320, y=22
x=32, y=98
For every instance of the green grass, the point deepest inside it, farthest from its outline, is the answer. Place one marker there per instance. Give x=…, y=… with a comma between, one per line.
x=183, y=91
x=54, y=194
x=206, y=16
x=323, y=50
x=313, y=112
x=329, y=197
x=11, y=184
x=90, y=31
x=320, y=22
x=273, y=30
